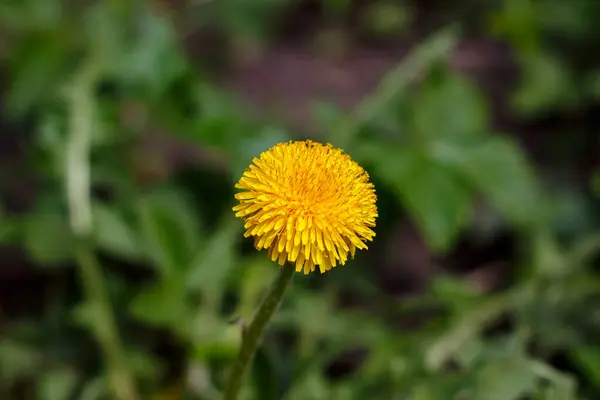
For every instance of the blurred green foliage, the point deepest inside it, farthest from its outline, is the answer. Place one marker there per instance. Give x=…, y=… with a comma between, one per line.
x=175, y=266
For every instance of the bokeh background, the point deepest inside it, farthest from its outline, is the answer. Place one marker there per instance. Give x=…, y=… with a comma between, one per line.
x=477, y=121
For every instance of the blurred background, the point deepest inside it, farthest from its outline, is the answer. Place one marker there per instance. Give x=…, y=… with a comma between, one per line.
x=477, y=120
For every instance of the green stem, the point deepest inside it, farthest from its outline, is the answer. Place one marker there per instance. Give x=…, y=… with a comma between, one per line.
x=434, y=48
x=104, y=325
x=253, y=335
x=80, y=98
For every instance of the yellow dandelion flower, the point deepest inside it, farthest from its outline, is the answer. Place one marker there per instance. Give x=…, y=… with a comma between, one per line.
x=308, y=203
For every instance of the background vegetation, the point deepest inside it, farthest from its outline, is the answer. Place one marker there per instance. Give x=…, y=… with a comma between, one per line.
x=478, y=121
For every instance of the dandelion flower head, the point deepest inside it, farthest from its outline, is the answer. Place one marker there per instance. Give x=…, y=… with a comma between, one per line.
x=307, y=203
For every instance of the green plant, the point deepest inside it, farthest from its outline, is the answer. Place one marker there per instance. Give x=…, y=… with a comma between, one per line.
x=131, y=271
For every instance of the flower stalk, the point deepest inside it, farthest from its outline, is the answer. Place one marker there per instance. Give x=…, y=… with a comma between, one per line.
x=309, y=205
x=252, y=336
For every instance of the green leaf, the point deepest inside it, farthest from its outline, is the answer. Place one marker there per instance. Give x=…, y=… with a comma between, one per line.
x=508, y=379
x=27, y=15
x=313, y=382
x=546, y=84
x=140, y=53
x=214, y=261
x=388, y=18
x=37, y=73
x=327, y=115
x=570, y=211
x=246, y=148
x=395, y=82
x=499, y=169
x=584, y=251
x=57, y=384
x=448, y=106
x=145, y=365
x=456, y=293
x=8, y=231
x=446, y=387
x=246, y=19
x=114, y=234
x=517, y=21
x=592, y=84
x=47, y=238
x=17, y=359
x=255, y=274
x=214, y=338
x=163, y=304
x=588, y=359
x=562, y=386
x=95, y=389
x=9, y=228
x=170, y=229
x=573, y=21
x=152, y=58
x=466, y=328
x=436, y=197
x=266, y=374
x=314, y=318
x=595, y=183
